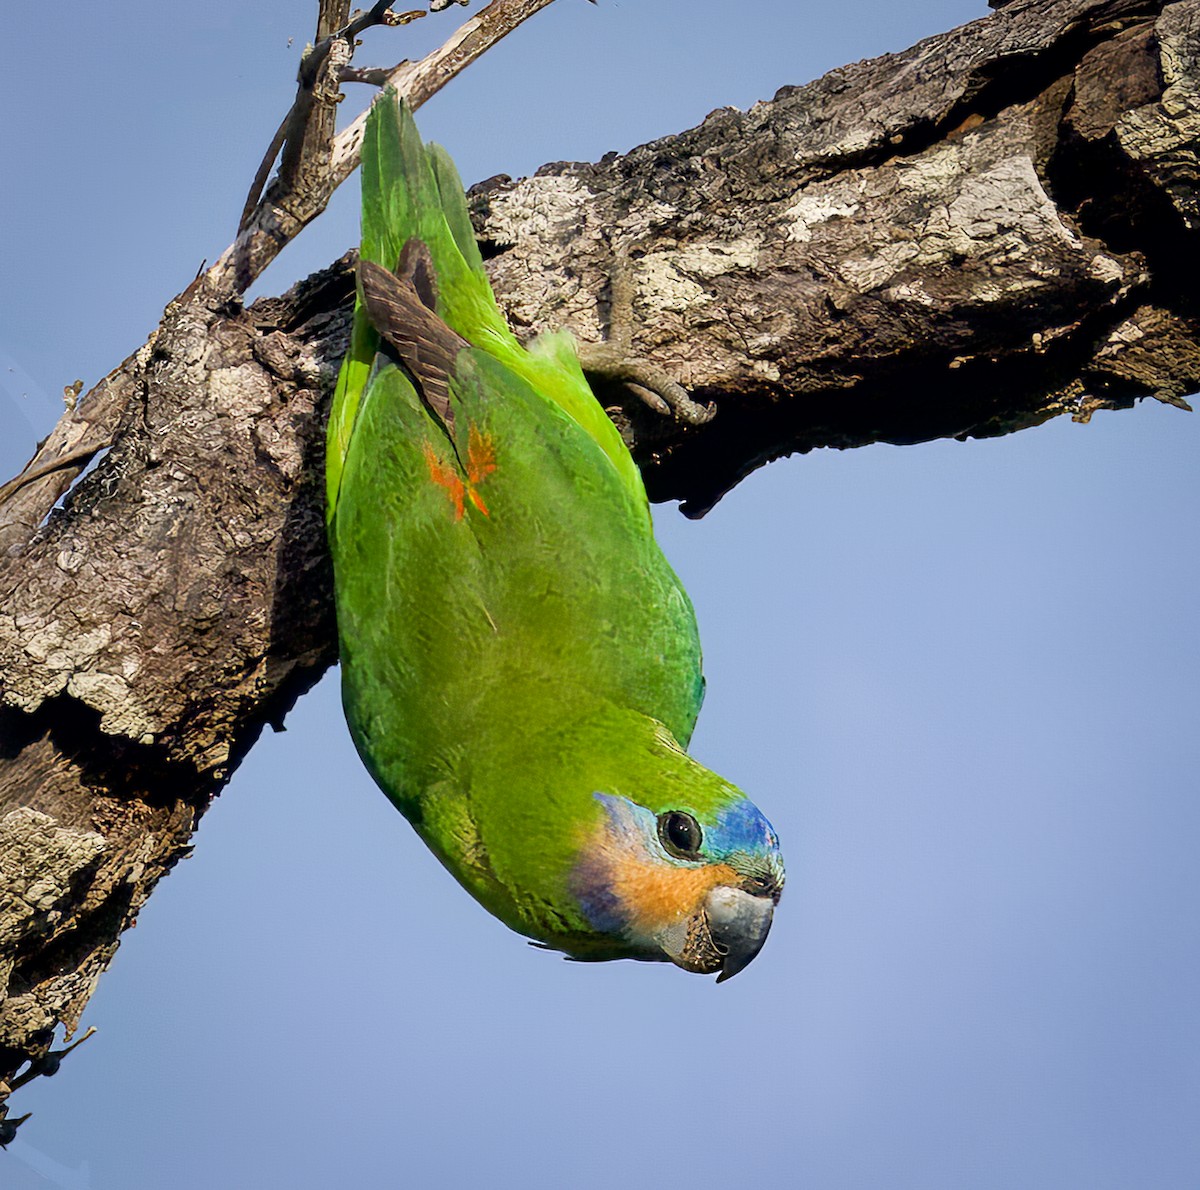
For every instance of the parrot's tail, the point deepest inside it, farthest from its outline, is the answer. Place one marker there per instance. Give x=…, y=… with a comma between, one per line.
x=412, y=191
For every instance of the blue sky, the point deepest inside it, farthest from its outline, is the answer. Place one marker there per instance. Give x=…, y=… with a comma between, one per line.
x=958, y=677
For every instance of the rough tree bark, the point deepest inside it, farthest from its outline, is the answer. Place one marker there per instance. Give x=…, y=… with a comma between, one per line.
x=991, y=229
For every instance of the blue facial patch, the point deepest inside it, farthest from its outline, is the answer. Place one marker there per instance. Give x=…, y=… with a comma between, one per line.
x=742, y=828
x=747, y=842
x=630, y=827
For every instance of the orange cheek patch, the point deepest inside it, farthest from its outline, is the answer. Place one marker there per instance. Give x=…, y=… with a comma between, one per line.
x=656, y=895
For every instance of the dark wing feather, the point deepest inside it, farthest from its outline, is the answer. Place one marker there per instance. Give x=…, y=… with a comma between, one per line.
x=426, y=346
x=416, y=267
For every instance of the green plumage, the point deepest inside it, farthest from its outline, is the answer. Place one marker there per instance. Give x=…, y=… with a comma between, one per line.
x=513, y=641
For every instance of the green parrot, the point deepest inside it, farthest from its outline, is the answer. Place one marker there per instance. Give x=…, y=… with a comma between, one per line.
x=520, y=665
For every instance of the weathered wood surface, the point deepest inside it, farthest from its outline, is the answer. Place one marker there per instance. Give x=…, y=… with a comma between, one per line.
x=968, y=238
x=991, y=229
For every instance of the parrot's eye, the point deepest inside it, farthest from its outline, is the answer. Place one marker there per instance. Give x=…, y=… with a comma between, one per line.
x=680, y=834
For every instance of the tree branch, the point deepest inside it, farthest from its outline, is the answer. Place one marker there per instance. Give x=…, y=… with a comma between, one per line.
x=990, y=229
x=997, y=226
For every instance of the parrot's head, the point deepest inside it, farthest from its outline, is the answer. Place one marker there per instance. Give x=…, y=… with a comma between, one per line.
x=600, y=837
x=694, y=881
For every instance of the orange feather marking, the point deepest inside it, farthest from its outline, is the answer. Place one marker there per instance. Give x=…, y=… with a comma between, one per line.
x=656, y=895
x=481, y=462
x=446, y=477
x=481, y=456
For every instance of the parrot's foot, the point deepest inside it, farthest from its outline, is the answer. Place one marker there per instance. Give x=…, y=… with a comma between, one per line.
x=615, y=361
x=650, y=383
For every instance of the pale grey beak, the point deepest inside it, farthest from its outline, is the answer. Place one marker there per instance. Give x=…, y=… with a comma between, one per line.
x=739, y=923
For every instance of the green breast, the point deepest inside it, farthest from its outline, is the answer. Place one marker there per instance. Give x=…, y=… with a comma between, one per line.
x=488, y=589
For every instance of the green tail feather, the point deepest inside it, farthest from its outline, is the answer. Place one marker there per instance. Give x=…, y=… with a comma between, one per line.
x=410, y=189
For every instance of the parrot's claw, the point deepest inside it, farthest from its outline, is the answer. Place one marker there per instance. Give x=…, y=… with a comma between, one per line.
x=650, y=383
x=615, y=361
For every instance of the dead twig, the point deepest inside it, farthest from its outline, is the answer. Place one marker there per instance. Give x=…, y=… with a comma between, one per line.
x=314, y=162
x=81, y=455
x=304, y=134
x=292, y=138
x=419, y=81
x=372, y=76
x=80, y=434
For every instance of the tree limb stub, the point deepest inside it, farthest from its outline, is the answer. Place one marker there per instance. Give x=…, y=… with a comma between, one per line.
x=994, y=227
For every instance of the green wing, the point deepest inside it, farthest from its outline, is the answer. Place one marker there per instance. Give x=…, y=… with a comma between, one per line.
x=588, y=519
